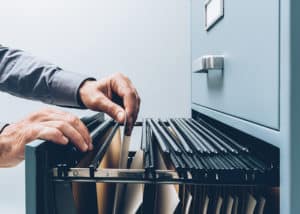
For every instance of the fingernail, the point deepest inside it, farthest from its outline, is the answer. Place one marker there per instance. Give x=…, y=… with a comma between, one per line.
x=128, y=132
x=120, y=116
x=90, y=140
x=66, y=140
x=85, y=147
x=91, y=146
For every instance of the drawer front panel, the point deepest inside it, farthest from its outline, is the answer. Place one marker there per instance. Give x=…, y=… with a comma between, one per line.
x=248, y=38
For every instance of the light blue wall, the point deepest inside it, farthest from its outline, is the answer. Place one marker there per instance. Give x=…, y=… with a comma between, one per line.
x=146, y=40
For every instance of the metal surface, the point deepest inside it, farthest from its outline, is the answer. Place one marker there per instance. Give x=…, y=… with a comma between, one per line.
x=64, y=198
x=116, y=176
x=214, y=11
x=161, y=177
x=207, y=63
x=251, y=62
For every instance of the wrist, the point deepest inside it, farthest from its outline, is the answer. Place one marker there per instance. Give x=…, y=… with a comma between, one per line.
x=81, y=91
x=5, y=151
x=3, y=126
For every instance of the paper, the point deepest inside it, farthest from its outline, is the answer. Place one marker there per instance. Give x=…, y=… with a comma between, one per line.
x=229, y=205
x=167, y=196
x=106, y=191
x=219, y=205
x=122, y=165
x=261, y=205
x=205, y=205
x=124, y=147
x=188, y=203
x=251, y=203
x=85, y=196
x=124, y=152
x=134, y=192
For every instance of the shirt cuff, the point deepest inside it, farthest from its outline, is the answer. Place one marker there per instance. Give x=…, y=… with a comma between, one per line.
x=65, y=88
x=2, y=126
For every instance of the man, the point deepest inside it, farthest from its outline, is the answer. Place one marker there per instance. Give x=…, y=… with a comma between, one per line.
x=26, y=76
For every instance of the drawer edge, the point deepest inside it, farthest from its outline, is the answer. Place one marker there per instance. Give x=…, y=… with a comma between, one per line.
x=272, y=136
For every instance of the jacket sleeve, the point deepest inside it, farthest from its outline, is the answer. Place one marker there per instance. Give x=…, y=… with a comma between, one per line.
x=26, y=76
x=2, y=126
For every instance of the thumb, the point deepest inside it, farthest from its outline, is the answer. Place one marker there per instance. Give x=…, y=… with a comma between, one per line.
x=112, y=109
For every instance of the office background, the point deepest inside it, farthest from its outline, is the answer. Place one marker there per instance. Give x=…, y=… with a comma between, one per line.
x=147, y=40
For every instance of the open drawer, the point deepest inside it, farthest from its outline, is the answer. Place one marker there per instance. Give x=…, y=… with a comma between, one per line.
x=191, y=157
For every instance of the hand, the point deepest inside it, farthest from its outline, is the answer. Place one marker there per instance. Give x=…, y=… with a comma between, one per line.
x=48, y=124
x=103, y=95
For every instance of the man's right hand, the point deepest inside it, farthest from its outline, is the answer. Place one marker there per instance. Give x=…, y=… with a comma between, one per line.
x=48, y=124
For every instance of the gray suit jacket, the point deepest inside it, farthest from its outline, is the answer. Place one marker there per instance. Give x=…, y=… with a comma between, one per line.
x=24, y=75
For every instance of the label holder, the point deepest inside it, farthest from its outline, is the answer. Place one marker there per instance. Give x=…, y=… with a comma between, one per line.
x=214, y=12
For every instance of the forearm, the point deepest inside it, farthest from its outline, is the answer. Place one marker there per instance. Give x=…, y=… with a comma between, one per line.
x=26, y=76
x=6, y=151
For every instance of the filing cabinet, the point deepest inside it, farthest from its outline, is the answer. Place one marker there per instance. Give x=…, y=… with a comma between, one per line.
x=255, y=88
x=248, y=38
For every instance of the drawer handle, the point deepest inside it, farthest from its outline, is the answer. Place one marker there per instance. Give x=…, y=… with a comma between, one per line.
x=208, y=62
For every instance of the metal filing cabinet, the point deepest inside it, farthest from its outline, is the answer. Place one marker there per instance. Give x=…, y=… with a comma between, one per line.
x=248, y=38
x=245, y=73
x=245, y=81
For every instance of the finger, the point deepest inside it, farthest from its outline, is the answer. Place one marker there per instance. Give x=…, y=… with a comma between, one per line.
x=137, y=106
x=38, y=131
x=50, y=134
x=58, y=115
x=134, y=114
x=112, y=109
x=130, y=103
x=122, y=87
x=70, y=132
x=80, y=127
